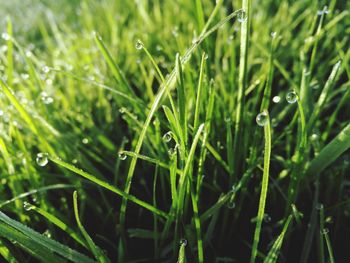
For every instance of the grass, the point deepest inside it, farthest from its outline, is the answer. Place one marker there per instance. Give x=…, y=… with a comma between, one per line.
x=147, y=111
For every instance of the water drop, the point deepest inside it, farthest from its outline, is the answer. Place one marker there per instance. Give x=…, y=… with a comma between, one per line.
x=291, y=97
x=122, y=155
x=242, y=16
x=46, y=99
x=231, y=204
x=85, y=141
x=27, y=206
x=273, y=34
x=5, y=36
x=267, y=218
x=276, y=99
x=319, y=206
x=46, y=69
x=324, y=11
x=167, y=136
x=262, y=119
x=183, y=242
x=139, y=44
x=47, y=233
x=324, y=231
x=41, y=159
x=74, y=161
x=28, y=53
x=314, y=137
x=175, y=31
x=24, y=76
x=206, y=56
x=122, y=110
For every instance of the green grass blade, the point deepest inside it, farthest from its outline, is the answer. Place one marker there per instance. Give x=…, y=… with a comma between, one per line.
x=94, y=249
x=264, y=187
x=43, y=241
x=272, y=256
x=329, y=153
x=108, y=186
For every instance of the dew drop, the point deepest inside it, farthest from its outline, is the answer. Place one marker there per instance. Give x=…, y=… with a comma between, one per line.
x=41, y=159
x=167, y=136
x=206, y=56
x=122, y=155
x=231, y=204
x=175, y=31
x=183, y=242
x=324, y=231
x=262, y=119
x=45, y=98
x=46, y=69
x=314, y=137
x=267, y=218
x=139, y=44
x=5, y=36
x=122, y=110
x=276, y=99
x=47, y=233
x=242, y=16
x=291, y=97
x=85, y=141
x=273, y=34
x=27, y=206
x=319, y=206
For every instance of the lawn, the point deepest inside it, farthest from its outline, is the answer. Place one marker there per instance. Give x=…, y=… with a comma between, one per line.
x=175, y=131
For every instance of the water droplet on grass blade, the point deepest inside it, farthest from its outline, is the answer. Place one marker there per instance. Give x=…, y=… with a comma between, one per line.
x=319, y=206
x=85, y=141
x=27, y=206
x=276, y=99
x=167, y=136
x=242, y=16
x=324, y=231
x=291, y=97
x=41, y=159
x=183, y=242
x=45, y=98
x=267, y=218
x=139, y=44
x=46, y=69
x=122, y=155
x=5, y=36
x=231, y=204
x=262, y=119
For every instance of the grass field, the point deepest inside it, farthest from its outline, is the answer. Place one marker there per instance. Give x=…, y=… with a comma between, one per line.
x=175, y=131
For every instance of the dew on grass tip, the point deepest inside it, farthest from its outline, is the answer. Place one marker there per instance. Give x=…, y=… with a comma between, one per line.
x=167, y=136
x=291, y=97
x=45, y=98
x=231, y=204
x=46, y=69
x=139, y=44
x=276, y=99
x=27, y=206
x=41, y=159
x=85, y=141
x=319, y=206
x=242, y=16
x=183, y=242
x=267, y=218
x=122, y=155
x=5, y=36
x=324, y=231
x=262, y=119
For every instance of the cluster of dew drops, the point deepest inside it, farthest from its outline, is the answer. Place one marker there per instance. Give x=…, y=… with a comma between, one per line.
x=262, y=118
